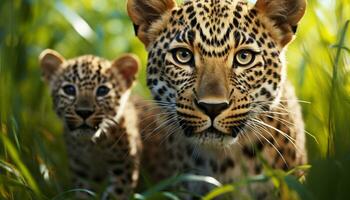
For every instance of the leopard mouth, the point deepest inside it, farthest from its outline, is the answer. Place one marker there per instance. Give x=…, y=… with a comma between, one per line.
x=212, y=132
x=83, y=127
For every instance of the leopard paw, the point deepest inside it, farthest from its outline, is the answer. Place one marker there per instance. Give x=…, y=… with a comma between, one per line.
x=105, y=131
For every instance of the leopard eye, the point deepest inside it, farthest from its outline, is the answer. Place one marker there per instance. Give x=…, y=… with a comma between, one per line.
x=102, y=91
x=69, y=90
x=183, y=56
x=244, y=57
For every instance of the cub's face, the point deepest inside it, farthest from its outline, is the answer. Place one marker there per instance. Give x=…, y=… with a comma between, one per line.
x=87, y=89
x=216, y=65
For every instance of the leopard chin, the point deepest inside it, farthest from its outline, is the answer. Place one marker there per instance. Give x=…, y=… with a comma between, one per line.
x=83, y=132
x=215, y=138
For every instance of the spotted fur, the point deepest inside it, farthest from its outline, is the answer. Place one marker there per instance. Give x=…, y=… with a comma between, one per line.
x=216, y=69
x=90, y=95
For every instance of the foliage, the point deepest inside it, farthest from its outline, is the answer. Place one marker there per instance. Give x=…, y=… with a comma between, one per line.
x=32, y=155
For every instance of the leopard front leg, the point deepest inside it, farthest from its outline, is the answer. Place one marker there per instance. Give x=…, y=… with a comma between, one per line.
x=83, y=187
x=122, y=157
x=80, y=178
x=123, y=179
x=79, y=166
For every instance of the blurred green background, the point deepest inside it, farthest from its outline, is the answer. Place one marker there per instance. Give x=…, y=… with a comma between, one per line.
x=33, y=163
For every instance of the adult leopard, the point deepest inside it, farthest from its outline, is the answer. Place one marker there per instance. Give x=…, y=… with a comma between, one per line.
x=216, y=69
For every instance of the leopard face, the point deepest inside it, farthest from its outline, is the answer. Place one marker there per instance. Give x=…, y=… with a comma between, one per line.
x=216, y=65
x=87, y=89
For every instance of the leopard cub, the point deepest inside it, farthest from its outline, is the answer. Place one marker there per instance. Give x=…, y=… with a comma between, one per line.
x=90, y=95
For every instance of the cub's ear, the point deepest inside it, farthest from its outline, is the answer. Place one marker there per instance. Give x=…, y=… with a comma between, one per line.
x=285, y=15
x=145, y=12
x=50, y=62
x=128, y=66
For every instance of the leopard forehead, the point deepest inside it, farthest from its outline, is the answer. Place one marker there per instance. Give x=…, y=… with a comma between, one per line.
x=213, y=26
x=85, y=71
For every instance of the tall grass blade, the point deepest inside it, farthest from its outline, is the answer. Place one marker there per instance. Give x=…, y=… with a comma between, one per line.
x=334, y=90
x=14, y=155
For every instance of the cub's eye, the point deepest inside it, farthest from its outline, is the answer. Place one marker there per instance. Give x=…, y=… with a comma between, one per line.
x=244, y=57
x=102, y=91
x=182, y=56
x=69, y=90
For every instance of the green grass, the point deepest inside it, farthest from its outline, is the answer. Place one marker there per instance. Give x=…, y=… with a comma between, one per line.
x=33, y=162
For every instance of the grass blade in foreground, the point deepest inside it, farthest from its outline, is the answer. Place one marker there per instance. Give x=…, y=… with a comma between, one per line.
x=159, y=188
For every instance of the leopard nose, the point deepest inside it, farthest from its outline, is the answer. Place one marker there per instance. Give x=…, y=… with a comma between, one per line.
x=84, y=113
x=212, y=109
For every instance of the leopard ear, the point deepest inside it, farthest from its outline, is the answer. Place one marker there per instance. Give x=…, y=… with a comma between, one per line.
x=128, y=66
x=285, y=15
x=144, y=13
x=50, y=62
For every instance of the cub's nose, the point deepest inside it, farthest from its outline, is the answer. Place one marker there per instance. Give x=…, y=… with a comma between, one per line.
x=84, y=113
x=212, y=109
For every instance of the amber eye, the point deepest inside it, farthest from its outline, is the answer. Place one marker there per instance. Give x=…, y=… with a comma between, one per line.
x=183, y=56
x=69, y=90
x=244, y=57
x=102, y=91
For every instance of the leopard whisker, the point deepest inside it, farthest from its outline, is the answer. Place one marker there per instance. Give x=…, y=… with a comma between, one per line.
x=283, y=121
x=155, y=121
x=277, y=107
x=247, y=136
x=254, y=130
x=288, y=100
x=164, y=123
x=153, y=106
x=266, y=131
x=258, y=129
x=271, y=112
x=256, y=135
x=172, y=131
x=118, y=139
x=159, y=114
x=273, y=146
x=154, y=102
x=284, y=134
x=292, y=140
